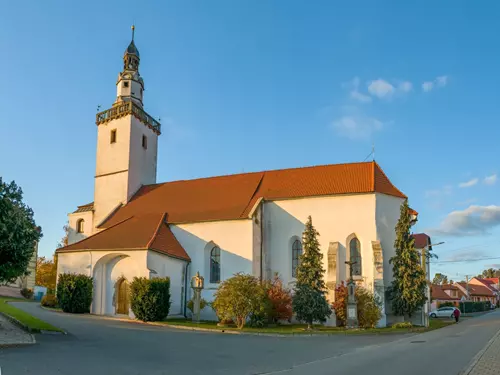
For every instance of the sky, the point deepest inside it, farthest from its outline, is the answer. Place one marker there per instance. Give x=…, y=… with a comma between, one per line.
x=254, y=85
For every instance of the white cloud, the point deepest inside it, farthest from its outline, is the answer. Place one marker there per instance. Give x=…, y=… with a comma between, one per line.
x=381, y=89
x=473, y=221
x=354, y=93
x=442, y=81
x=356, y=126
x=438, y=82
x=467, y=202
x=405, y=86
x=469, y=183
x=427, y=86
x=490, y=180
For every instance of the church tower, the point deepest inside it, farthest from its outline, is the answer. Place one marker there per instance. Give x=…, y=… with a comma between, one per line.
x=127, y=142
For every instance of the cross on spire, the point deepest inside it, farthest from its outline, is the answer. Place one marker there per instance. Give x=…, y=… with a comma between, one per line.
x=133, y=32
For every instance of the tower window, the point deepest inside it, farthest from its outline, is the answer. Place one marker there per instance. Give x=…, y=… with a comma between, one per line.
x=113, y=136
x=125, y=84
x=144, y=142
x=80, y=226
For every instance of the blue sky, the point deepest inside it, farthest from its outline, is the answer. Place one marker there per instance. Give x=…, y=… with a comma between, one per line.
x=255, y=85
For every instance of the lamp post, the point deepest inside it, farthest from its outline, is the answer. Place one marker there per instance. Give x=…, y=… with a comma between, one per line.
x=425, y=262
x=197, y=283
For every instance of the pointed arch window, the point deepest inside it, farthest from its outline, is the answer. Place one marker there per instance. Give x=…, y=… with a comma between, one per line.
x=355, y=256
x=215, y=265
x=296, y=253
x=80, y=226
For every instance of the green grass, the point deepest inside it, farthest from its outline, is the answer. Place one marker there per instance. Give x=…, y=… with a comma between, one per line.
x=34, y=324
x=301, y=328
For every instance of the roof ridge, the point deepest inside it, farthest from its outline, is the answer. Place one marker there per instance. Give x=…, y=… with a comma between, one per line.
x=262, y=171
x=162, y=220
x=96, y=234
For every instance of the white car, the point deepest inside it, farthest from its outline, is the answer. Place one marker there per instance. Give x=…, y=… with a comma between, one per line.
x=443, y=312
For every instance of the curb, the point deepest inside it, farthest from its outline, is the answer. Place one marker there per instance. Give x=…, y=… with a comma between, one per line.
x=24, y=327
x=479, y=355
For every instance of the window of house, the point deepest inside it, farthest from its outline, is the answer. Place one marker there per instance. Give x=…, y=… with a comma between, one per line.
x=296, y=253
x=125, y=84
x=113, y=136
x=215, y=265
x=80, y=226
x=355, y=256
x=144, y=142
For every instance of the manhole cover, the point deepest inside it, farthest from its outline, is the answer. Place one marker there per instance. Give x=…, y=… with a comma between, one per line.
x=417, y=342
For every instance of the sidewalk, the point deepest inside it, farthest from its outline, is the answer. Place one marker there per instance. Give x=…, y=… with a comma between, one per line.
x=488, y=360
x=11, y=335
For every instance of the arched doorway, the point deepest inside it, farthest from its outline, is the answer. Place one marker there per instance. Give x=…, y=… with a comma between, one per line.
x=123, y=297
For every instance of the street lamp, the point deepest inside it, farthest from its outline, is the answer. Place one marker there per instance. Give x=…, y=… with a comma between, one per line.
x=425, y=265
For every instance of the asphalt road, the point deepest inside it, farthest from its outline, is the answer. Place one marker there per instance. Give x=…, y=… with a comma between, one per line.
x=102, y=346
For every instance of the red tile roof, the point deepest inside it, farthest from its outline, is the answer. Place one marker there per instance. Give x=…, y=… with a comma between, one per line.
x=477, y=290
x=233, y=196
x=438, y=293
x=421, y=240
x=146, y=232
x=85, y=207
x=494, y=280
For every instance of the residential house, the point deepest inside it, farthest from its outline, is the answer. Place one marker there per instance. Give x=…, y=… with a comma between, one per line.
x=476, y=292
x=444, y=294
x=490, y=283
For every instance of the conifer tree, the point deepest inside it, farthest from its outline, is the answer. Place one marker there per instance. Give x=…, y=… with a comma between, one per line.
x=310, y=270
x=409, y=284
x=309, y=302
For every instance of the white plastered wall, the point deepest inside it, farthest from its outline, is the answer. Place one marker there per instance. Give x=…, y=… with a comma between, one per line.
x=161, y=265
x=234, y=238
x=334, y=217
x=106, y=267
x=124, y=166
x=73, y=218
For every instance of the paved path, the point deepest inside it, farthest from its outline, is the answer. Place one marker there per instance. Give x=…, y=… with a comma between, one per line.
x=13, y=335
x=488, y=362
x=99, y=346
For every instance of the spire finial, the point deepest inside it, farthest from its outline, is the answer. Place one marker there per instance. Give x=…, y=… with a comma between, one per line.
x=133, y=32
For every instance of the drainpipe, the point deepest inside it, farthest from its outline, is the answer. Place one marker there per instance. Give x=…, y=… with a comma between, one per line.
x=262, y=241
x=185, y=289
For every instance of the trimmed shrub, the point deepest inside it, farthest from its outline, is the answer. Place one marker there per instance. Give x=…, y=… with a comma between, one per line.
x=402, y=325
x=340, y=304
x=369, y=312
x=470, y=307
x=74, y=293
x=150, y=299
x=27, y=293
x=280, y=300
x=368, y=308
x=190, y=304
x=49, y=300
x=240, y=297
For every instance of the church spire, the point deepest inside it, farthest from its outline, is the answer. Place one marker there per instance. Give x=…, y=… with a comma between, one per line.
x=130, y=85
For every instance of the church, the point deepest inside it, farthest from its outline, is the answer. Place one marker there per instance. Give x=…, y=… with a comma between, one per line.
x=218, y=226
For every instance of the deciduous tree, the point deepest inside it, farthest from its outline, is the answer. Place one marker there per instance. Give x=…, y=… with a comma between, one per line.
x=18, y=232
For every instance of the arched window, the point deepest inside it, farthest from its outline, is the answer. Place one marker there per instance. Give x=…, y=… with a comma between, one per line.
x=80, y=226
x=215, y=265
x=296, y=253
x=355, y=256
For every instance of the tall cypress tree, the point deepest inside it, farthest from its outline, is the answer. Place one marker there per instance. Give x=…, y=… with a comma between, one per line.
x=310, y=270
x=409, y=284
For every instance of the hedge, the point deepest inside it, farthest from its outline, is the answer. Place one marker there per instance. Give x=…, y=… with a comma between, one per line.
x=150, y=299
x=74, y=293
x=470, y=307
